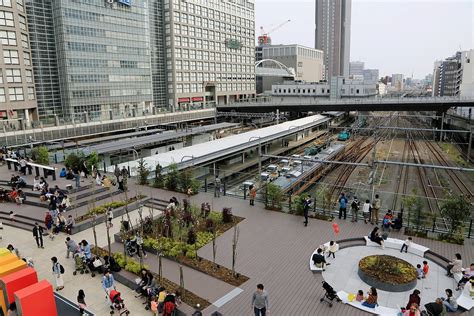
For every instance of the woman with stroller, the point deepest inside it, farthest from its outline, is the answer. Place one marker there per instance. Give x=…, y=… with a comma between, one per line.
x=108, y=283
x=85, y=248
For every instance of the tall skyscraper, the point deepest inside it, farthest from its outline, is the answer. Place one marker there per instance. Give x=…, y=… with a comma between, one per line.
x=333, y=35
x=17, y=91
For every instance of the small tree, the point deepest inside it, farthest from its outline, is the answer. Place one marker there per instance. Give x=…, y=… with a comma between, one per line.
x=40, y=155
x=143, y=172
x=235, y=240
x=185, y=180
x=274, y=195
x=159, y=178
x=74, y=160
x=172, y=177
x=323, y=194
x=214, y=247
x=456, y=209
x=298, y=203
x=92, y=160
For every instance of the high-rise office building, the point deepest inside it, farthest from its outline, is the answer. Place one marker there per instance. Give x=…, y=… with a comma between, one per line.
x=356, y=68
x=447, y=76
x=210, y=51
x=397, y=82
x=17, y=91
x=333, y=35
x=102, y=51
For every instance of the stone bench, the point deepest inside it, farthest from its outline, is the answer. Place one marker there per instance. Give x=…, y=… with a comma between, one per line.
x=465, y=300
x=378, y=310
x=394, y=243
x=325, y=249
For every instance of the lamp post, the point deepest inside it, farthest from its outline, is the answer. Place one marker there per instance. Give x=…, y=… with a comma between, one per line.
x=259, y=153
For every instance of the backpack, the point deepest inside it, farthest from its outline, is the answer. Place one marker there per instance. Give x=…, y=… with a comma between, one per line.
x=61, y=269
x=168, y=309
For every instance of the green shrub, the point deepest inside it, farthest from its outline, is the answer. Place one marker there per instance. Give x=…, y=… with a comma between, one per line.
x=172, y=178
x=216, y=217
x=143, y=172
x=40, y=155
x=74, y=160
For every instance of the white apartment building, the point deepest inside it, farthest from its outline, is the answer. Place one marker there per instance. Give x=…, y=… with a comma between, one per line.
x=210, y=52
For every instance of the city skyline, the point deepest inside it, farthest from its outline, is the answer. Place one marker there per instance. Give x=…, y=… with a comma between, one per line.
x=397, y=48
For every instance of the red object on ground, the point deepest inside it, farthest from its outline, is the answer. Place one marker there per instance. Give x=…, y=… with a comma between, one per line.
x=16, y=281
x=36, y=299
x=335, y=227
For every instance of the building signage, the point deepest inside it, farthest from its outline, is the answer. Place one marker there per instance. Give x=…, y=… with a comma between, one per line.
x=233, y=44
x=183, y=100
x=197, y=99
x=128, y=3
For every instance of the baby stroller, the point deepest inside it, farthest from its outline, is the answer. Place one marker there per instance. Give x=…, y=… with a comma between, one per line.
x=117, y=303
x=330, y=294
x=131, y=247
x=80, y=263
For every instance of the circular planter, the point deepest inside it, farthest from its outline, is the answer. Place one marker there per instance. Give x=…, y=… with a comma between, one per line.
x=387, y=273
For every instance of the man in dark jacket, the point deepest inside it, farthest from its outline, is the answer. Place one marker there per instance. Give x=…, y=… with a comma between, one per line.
x=306, y=206
x=38, y=234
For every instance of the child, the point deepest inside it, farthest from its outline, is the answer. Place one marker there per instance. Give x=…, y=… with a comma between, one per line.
x=360, y=296
x=12, y=216
x=406, y=244
x=419, y=272
x=81, y=301
x=426, y=268
x=154, y=305
x=333, y=247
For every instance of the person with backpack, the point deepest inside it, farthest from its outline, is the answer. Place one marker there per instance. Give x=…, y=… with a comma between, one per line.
x=354, y=208
x=58, y=271
x=169, y=306
x=342, y=205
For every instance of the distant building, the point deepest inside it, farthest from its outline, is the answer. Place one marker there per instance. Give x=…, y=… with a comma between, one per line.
x=467, y=80
x=333, y=35
x=307, y=62
x=447, y=76
x=397, y=82
x=356, y=68
x=371, y=75
x=381, y=88
x=339, y=87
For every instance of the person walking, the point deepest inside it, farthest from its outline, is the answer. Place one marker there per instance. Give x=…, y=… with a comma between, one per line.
x=260, y=301
x=366, y=211
x=342, y=206
x=117, y=173
x=81, y=301
x=217, y=187
x=110, y=217
x=71, y=247
x=252, y=194
x=376, y=204
x=48, y=222
x=108, y=282
x=38, y=234
x=355, y=205
x=58, y=271
x=306, y=206
x=77, y=177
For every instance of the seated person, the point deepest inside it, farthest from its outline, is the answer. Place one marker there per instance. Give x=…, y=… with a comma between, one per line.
x=319, y=260
x=360, y=296
x=3, y=194
x=145, y=281
x=36, y=184
x=70, y=175
x=13, y=195
x=111, y=264
x=371, y=300
x=20, y=197
x=412, y=311
x=414, y=299
x=375, y=237
x=13, y=181
x=69, y=224
x=435, y=308
x=398, y=222
x=468, y=273
x=106, y=183
x=387, y=220
x=43, y=194
x=62, y=173
x=450, y=302
x=43, y=183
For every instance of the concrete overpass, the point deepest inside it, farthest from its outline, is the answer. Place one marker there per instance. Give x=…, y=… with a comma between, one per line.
x=307, y=104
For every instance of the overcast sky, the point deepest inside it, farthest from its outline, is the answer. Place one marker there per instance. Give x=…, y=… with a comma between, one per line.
x=395, y=36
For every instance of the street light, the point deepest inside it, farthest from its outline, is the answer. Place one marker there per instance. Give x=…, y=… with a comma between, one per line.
x=259, y=153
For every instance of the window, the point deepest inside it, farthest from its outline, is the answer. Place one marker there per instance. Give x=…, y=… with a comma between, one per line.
x=357, y=91
x=29, y=76
x=8, y=38
x=22, y=21
x=6, y=18
x=10, y=57
x=24, y=40
x=16, y=94
x=31, y=93
x=19, y=5
x=13, y=75
x=2, y=95
x=6, y=3
x=27, y=58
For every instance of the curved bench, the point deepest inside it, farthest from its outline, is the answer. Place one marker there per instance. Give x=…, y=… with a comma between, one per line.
x=395, y=243
x=343, y=243
x=378, y=310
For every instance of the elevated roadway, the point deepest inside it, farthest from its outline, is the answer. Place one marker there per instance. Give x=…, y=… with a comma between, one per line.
x=310, y=104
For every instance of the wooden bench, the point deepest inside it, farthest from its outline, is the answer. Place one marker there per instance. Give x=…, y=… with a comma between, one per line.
x=378, y=310
x=394, y=243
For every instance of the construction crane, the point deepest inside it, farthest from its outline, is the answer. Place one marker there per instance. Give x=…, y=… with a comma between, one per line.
x=265, y=39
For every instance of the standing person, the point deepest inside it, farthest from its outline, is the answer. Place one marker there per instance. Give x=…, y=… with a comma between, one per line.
x=77, y=177
x=366, y=210
x=342, y=205
x=252, y=194
x=306, y=206
x=354, y=208
x=81, y=301
x=22, y=165
x=260, y=301
x=38, y=234
x=58, y=271
x=71, y=247
x=70, y=222
x=117, y=173
x=84, y=169
x=217, y=187
x=108, y=282
x=110, y=217
x=376, y=204
x=86, y=249
x=406, y=244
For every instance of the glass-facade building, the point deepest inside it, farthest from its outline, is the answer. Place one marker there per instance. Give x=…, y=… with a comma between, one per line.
x=102, y=51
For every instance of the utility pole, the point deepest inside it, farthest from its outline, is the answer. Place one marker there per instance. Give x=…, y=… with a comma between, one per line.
x=469, y=146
